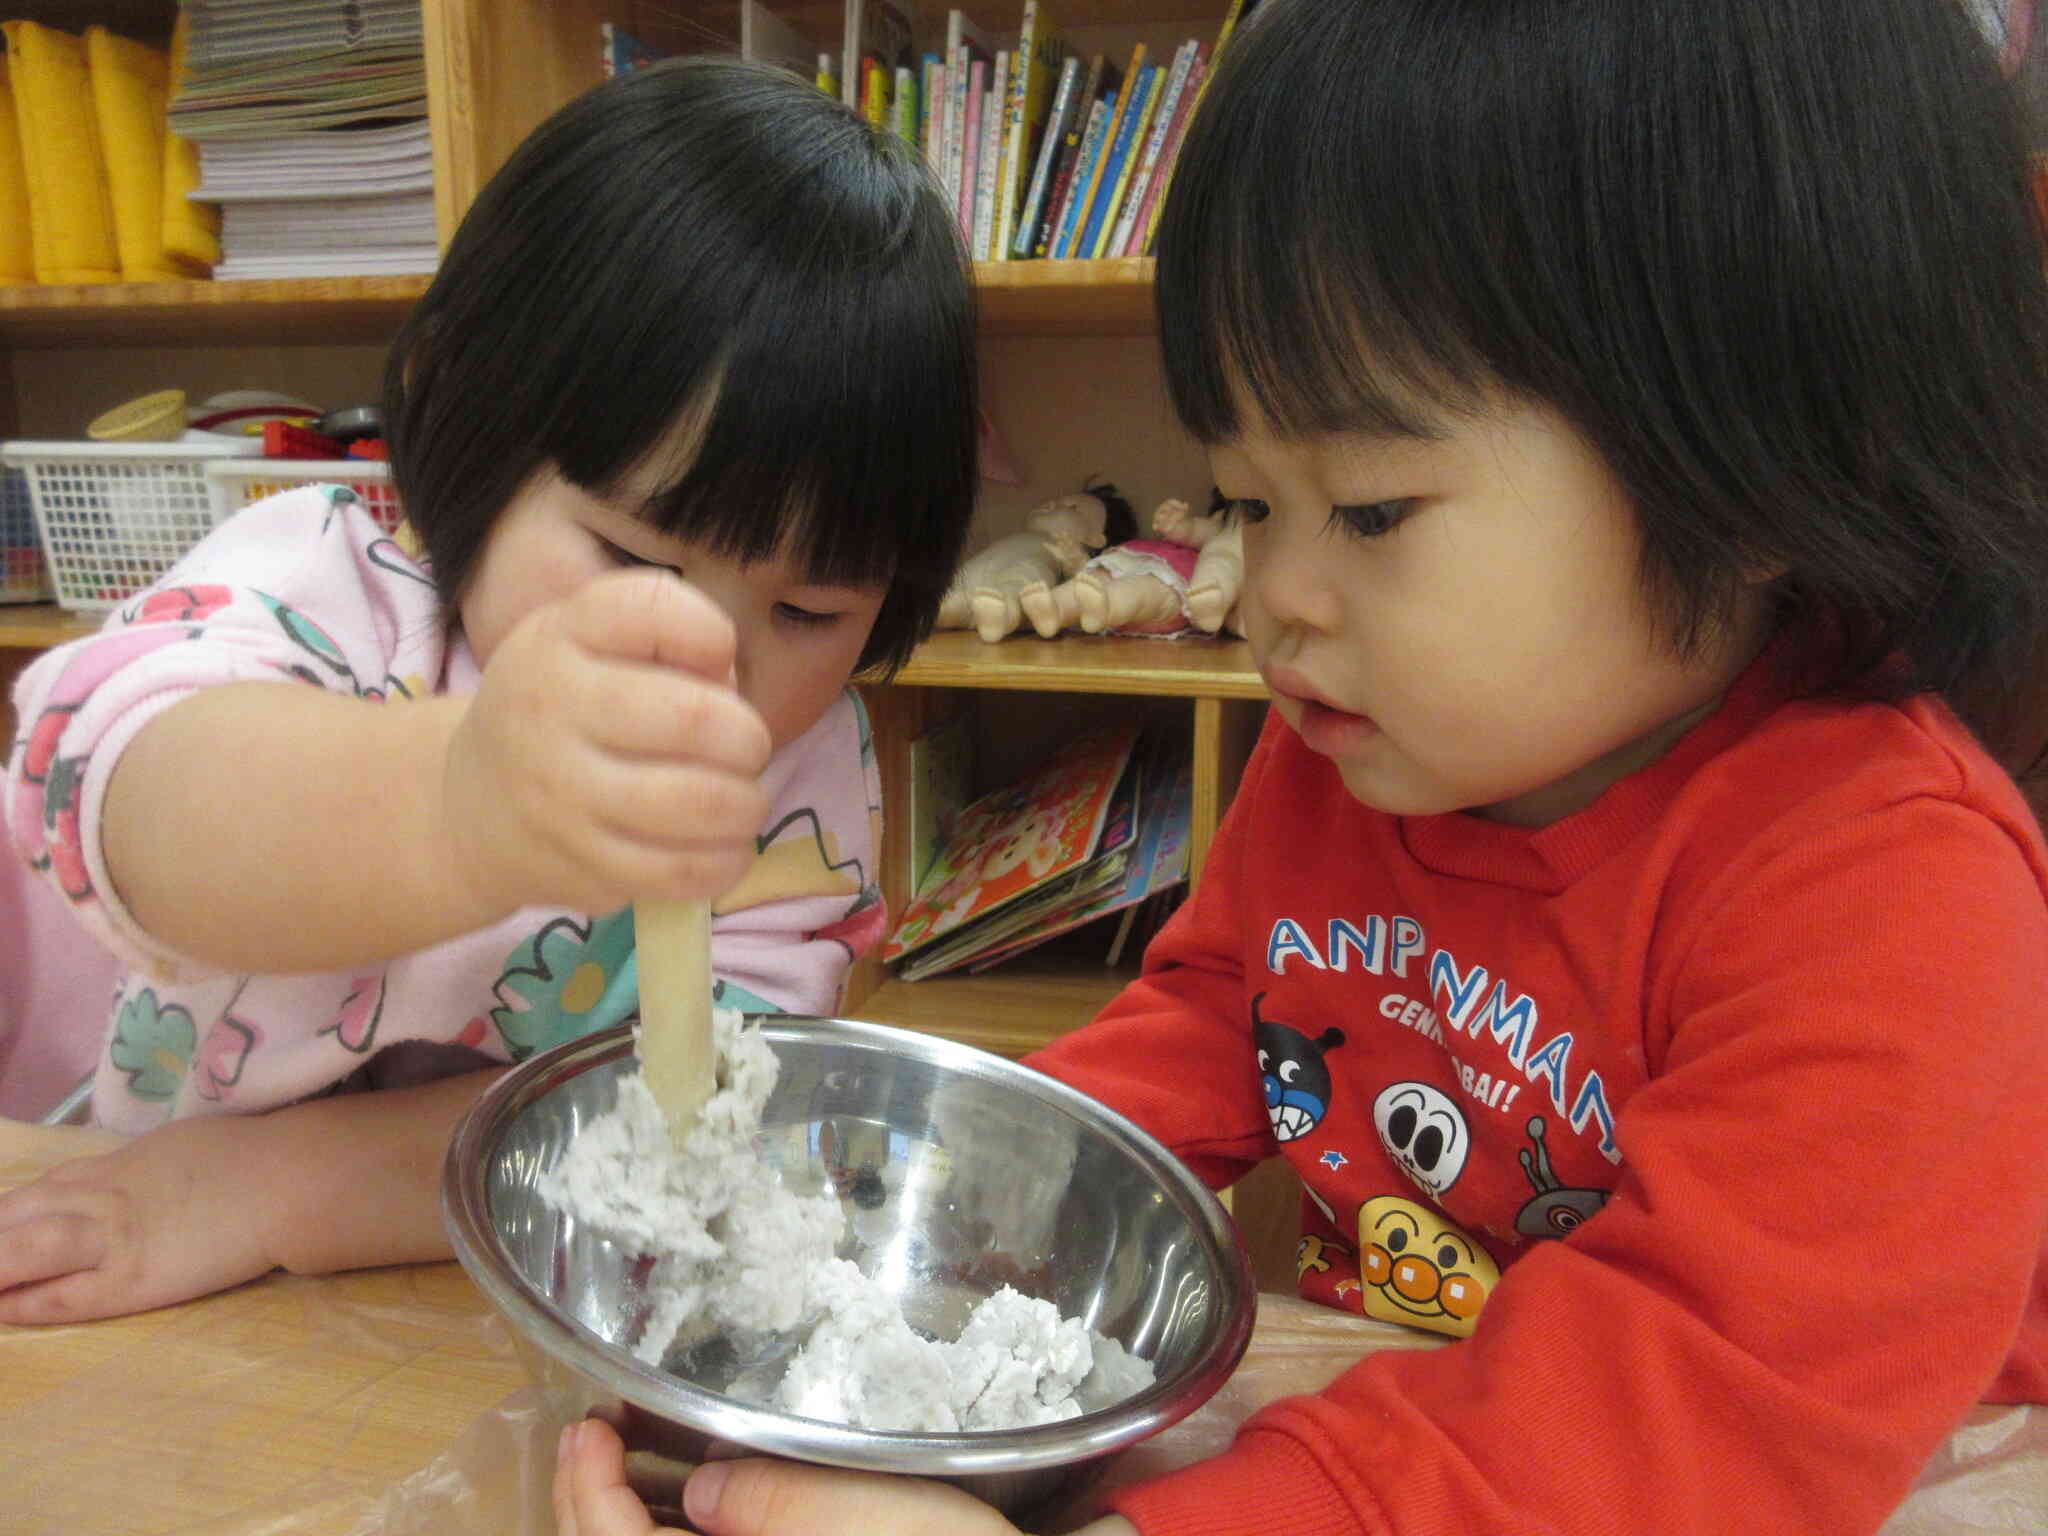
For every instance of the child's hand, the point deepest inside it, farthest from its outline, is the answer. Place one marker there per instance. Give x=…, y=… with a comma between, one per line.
x=591, y=1496
x=172, y=1215
x=606, y=755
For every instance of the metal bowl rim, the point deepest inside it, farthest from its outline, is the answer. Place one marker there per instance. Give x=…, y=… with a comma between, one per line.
x=466, y=1217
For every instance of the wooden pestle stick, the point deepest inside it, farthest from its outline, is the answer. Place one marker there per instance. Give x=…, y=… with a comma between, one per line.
x=673, y=941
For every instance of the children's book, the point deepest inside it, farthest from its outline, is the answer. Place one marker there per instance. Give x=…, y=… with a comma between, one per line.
x=620, y=52
x=907, y=109
x=1103, y=870
x=766, y=36
x=1091, y=186
x=1059, y=192
x=1086, y=163
x=883, y=30
x=970, y=149
x=931, y=87
x=992, y=145
x=1158, y=859
x=965, y=42
x=1057, y=116
x=1027, y=839
x=1148, y=214
x=941, y=784
x=1155, y=144
x=1041, y=53
x=1116, y=160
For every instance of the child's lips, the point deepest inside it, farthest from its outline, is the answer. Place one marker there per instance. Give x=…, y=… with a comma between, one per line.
x=1330, y=731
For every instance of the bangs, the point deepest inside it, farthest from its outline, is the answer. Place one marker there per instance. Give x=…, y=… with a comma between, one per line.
x=1339, y=296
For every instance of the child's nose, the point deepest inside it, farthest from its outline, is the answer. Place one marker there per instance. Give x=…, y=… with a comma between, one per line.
x=1289, y=570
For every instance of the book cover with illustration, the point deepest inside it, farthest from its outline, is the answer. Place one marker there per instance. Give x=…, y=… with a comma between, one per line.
x=1018, y=839
x=1158, y=856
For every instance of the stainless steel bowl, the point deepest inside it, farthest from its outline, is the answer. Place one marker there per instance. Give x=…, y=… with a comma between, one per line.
x=959, y=1172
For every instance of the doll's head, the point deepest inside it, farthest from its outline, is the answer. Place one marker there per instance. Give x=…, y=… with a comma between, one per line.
x=708, y=288
x=1776, y=265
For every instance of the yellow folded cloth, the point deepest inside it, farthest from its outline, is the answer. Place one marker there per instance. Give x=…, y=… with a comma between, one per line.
x=71, y=217
x=191, y=231
x=128, y=85
x=17, y=257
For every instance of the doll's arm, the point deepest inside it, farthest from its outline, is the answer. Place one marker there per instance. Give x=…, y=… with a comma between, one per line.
x=1174, y=519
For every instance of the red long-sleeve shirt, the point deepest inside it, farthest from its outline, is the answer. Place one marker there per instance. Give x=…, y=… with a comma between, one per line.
x=1716, y=1113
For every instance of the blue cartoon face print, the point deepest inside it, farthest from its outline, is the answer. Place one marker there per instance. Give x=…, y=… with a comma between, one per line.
x=1296, y=1078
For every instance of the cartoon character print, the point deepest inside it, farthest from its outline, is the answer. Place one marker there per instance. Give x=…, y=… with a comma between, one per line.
x=1295, y=1075
x=1425, y=1134
x=799, y=857
x=355, y=1026
x=153, y=1045
x=1312, y=1255
x=217, y=1067
x=46, y=818
x=568, y=980
x=1417, y=1266
x=314, y=641
x=1553, y=1211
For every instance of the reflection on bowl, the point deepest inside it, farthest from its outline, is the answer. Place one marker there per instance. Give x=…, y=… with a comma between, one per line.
x=959, y=1173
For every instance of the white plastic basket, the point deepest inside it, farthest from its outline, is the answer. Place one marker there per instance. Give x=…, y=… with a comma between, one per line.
x=114, y=517
x=24, y=574
x=241, y=481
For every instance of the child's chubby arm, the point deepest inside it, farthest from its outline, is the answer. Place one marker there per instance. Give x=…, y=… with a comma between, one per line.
x=199, y=1205
x=604, y=757
x=768, y=1498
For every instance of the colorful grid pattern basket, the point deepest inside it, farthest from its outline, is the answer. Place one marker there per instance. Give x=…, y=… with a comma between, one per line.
x=24, y=574
x=241, y=481
x=114, y=517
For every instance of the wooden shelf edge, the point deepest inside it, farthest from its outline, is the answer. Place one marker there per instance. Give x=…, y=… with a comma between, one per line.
x=1009, y=1011
x=1044, y=298
x=1193, y=668
x=37, y=626
x=340, y=309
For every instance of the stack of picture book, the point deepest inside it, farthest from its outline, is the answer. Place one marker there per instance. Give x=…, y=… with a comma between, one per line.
x=311, y=126
x=1100, y=828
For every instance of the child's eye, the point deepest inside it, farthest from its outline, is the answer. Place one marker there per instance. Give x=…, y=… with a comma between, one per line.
x=805, y=618
x=1373, y=518
x=1248, y=509
x=621, y=556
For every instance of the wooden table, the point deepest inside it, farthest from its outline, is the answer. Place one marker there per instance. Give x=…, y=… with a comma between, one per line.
x=286, y=1405
x=389, y=1403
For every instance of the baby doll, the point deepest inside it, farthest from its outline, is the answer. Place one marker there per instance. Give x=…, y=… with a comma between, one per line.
x=1146, y=586
x=1057, y=540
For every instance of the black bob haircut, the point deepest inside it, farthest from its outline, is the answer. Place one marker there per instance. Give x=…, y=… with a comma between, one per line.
x=1777, y=262
x=705, y=230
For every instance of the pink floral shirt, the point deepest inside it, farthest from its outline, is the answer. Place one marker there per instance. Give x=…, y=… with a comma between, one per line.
x=306, y=586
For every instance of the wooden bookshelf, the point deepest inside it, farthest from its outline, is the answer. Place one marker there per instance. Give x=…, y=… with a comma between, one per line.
x=1024, y=298
x=38, y=626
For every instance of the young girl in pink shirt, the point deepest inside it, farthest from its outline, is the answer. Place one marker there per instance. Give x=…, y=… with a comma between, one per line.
x=685, y=429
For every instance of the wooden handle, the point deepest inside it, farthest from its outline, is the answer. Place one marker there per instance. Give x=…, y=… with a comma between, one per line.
x=673, y=941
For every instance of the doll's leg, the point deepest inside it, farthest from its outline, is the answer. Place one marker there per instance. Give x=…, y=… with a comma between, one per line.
x=955, y=611
x=1218, y=579
x=1118, y=602
x=1050, y=609
x=996, y=613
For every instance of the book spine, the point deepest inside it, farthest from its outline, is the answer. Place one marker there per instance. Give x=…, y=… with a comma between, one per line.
x=1091, y=149
x=849, y=56
x=874, y=92
x=934, y=108
x=1161, y=183
x=1056, y=119
x=970, y=148
x=956, y=117
x=1155, y=142
x=1091, y=187
x=993, y=141
x=828, y=76
x=1116, y=165
x=1061, y=191
x=904, y=120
